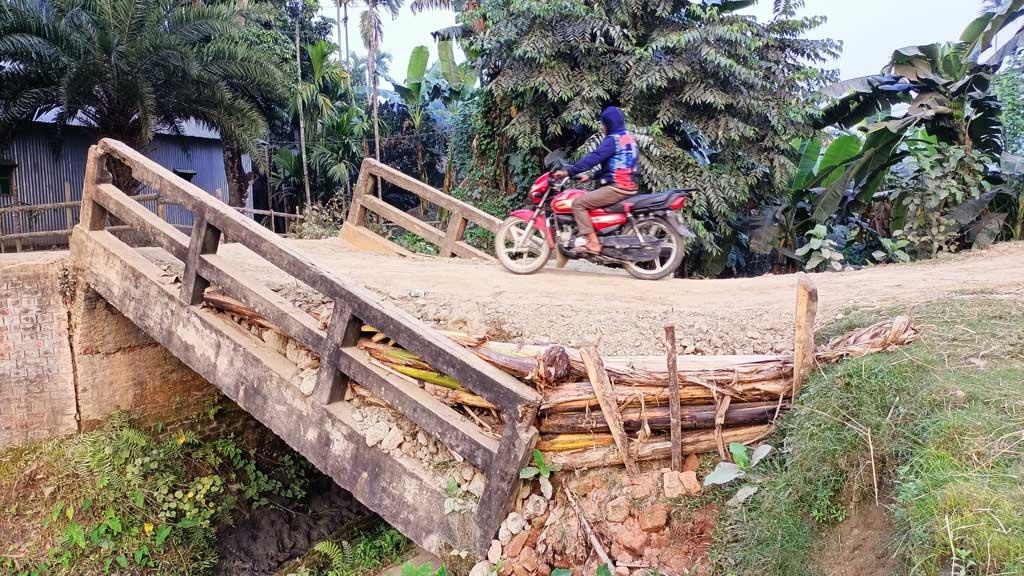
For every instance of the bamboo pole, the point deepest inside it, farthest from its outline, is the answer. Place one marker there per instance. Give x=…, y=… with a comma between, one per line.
x=605, y=396
x=660, y=418
x=699, y=442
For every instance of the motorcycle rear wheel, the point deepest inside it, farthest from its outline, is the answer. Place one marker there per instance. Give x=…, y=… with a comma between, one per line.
x=517, y=255
x=671, y=256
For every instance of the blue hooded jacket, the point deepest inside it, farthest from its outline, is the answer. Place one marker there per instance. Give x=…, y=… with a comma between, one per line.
x=617, y=154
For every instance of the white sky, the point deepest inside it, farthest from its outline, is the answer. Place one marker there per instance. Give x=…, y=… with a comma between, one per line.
x=870, y=29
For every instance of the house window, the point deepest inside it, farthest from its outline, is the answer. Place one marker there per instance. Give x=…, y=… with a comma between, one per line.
x=186, y=175
x=6, y=179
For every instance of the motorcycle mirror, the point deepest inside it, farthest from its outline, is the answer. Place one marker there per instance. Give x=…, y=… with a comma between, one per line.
x=555, y=160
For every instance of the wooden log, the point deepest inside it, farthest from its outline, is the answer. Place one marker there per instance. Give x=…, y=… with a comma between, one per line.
x=660, y=419
x=569, y=442
x=675, y=414
x=610, y=408
x=699, y=442
x=575, y=396
x=221, y=301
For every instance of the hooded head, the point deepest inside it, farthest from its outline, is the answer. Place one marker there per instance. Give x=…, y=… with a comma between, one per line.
x=613, y=119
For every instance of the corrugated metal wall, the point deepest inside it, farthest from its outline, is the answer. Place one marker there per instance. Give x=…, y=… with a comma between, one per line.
x=42, y=172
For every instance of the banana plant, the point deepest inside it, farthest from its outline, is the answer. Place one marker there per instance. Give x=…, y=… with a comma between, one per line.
x=415, y=97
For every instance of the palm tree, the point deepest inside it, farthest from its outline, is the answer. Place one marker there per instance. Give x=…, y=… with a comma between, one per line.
x=129, y=67
x=372, y=30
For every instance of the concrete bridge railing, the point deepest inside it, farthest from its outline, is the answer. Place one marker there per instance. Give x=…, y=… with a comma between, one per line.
x=256, y=378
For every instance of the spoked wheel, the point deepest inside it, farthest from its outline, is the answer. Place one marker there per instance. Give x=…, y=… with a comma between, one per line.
x=519, y=252
x=671, y=254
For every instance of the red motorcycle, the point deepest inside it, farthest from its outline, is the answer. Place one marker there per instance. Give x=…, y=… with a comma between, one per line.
x=643, y=234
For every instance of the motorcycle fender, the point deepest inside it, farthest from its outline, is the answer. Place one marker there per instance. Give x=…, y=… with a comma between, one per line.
x=676, y=220
x=539, y=223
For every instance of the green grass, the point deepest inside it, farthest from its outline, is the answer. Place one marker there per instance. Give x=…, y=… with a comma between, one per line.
x=946, y=422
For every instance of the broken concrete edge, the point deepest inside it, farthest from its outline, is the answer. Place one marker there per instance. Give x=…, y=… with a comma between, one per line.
x=263, y=382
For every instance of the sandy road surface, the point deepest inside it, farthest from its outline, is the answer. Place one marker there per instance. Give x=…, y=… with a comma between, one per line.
x=626, y=315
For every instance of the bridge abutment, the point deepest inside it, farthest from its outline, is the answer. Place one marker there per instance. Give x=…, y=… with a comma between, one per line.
x=119, y=367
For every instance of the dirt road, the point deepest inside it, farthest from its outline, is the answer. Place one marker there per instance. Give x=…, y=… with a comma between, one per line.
x=626, y=315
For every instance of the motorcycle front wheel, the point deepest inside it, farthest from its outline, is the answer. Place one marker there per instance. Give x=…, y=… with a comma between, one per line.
x=671, y=256
x=517, y=252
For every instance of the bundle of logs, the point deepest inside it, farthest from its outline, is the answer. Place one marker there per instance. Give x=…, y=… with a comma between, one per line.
x=608, y=411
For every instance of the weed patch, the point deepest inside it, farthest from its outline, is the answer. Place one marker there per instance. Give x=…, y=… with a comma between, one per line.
x=937, y=426
x=120, y=500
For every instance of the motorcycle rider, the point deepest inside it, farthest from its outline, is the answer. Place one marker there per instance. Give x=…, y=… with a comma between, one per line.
x=617, y=154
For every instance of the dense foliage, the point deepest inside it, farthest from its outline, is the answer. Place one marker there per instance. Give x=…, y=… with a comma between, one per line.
x=716, y=96
x=124, y=500
x=129, y=67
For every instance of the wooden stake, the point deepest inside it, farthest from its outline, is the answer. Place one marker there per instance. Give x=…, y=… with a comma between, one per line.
x=675, y=422
x=606, y=397
x=69, y=211
x=591, y=536
x=722, y=403
x=803, y=345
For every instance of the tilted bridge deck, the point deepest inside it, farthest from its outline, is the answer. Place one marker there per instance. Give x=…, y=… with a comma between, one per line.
x=263, y=382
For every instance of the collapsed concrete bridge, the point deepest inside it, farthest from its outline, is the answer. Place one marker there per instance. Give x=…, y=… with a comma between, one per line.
x=317, y=422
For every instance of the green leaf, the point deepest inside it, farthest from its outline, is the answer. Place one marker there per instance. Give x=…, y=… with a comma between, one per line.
x=114, y=523
x=724, y=473
x=809, y=153
x=141, y=555
x=75, y=535
x=529, y=472
x=122, y=560
x=740, y=454
x=841, y=151
x=561, y=572
x=187, y=523
x=417, y=68
x=603, y=570
x=161, y=534
x=138, y=499
x=446, y=58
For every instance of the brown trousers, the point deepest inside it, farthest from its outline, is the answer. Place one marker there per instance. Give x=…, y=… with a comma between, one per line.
x=604, y=196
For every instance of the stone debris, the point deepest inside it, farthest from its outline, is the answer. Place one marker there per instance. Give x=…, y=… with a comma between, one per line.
x=515, y=523
x=482, y=568
x=376, y=433
x=393, y=439
x=477, y=485
x=654, y=519
x=692, y=463
x=494, y=552
x=535, y=506
x=617, y=510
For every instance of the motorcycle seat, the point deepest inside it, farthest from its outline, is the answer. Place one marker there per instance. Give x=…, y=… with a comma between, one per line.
x=644, y=202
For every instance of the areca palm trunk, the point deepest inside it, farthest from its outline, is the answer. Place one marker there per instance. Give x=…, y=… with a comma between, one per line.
x=302, y=122
x=371, y=67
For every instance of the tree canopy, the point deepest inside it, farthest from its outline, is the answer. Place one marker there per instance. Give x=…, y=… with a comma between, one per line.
x=716, y=96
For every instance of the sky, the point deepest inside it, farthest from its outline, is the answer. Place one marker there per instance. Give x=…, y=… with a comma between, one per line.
x=869, y=29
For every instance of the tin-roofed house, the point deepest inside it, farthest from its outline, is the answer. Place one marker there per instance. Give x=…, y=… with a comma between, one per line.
x=38, y=168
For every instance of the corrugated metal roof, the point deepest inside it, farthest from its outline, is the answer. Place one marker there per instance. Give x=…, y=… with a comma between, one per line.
x=191, y=128
x=42, y=172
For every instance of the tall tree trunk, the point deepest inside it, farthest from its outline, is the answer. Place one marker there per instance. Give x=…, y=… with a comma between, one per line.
x=238, y=178
x=371, y=67
x=302, y=120
x=348, y=54
x=338, y=13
